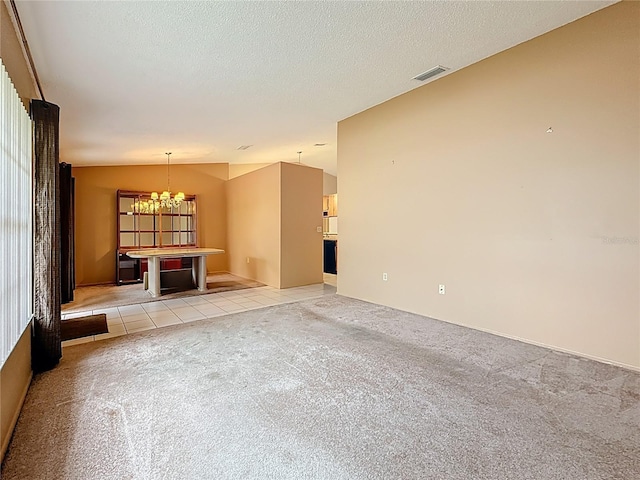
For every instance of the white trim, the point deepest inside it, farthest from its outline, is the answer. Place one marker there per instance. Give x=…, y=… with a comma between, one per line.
x=635, y=368
x=555, y=348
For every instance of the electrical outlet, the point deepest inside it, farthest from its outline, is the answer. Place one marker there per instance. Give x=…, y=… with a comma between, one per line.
x=385, y=277
x=441, y=290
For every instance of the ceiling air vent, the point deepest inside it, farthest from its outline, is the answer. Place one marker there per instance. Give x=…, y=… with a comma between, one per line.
x=437, y=70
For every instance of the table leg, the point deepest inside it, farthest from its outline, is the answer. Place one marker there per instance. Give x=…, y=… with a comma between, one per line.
x=200, y=272
x=154, y=276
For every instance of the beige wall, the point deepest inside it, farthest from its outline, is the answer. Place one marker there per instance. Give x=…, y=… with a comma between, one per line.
x=15, y=374
x=15, y=378
x=96, y=211
x=329, y=184
x=534, y=234
x=301, y=214
x=273, y=215
x=235, y=170
x=253, y=225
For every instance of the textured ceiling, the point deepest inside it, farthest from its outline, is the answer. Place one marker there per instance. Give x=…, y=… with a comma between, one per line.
x=136, y=79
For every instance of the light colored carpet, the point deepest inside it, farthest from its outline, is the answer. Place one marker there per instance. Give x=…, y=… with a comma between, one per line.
x=106, y=296
x=330, y=388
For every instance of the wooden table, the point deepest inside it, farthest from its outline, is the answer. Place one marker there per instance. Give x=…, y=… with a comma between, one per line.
x=198, y=269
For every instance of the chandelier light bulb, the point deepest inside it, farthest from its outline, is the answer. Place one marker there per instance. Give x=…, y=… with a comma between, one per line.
x=157, y=202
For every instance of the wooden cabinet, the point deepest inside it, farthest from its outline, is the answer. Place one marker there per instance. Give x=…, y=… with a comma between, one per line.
x=141, y=224
x=330, y=205
x=333, y=205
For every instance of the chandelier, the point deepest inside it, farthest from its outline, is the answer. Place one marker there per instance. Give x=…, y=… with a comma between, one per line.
x=164, y=200
x=145, y=206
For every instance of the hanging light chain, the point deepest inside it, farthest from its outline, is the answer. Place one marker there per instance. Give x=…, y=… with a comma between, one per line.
x=168, y=154
x=164, y=200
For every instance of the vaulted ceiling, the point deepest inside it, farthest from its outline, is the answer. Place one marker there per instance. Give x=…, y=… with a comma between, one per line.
x=136, y=79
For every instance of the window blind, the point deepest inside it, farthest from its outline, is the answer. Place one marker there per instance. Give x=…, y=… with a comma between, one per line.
x=16, y=217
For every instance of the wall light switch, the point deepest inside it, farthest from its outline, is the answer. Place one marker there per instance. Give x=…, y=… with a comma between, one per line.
x=319, y=229
x=441, y=289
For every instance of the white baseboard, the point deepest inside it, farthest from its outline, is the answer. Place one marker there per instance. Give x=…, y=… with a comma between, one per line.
x=557, y=349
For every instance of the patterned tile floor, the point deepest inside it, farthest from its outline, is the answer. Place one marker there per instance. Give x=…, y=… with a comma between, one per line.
x=146, y=316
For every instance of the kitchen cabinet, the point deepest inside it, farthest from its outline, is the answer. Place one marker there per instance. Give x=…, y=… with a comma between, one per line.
x=330, y=205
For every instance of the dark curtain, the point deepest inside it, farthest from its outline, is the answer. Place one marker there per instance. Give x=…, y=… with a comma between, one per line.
x=46, y=344
x=67, y=268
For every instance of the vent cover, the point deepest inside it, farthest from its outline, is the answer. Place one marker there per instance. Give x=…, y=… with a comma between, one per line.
x=437, y=70
x=244, y=147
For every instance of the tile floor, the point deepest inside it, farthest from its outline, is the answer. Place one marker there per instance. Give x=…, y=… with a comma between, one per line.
x=146, y=316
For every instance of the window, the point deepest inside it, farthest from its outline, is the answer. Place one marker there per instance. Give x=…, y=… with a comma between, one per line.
x=16, y=217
